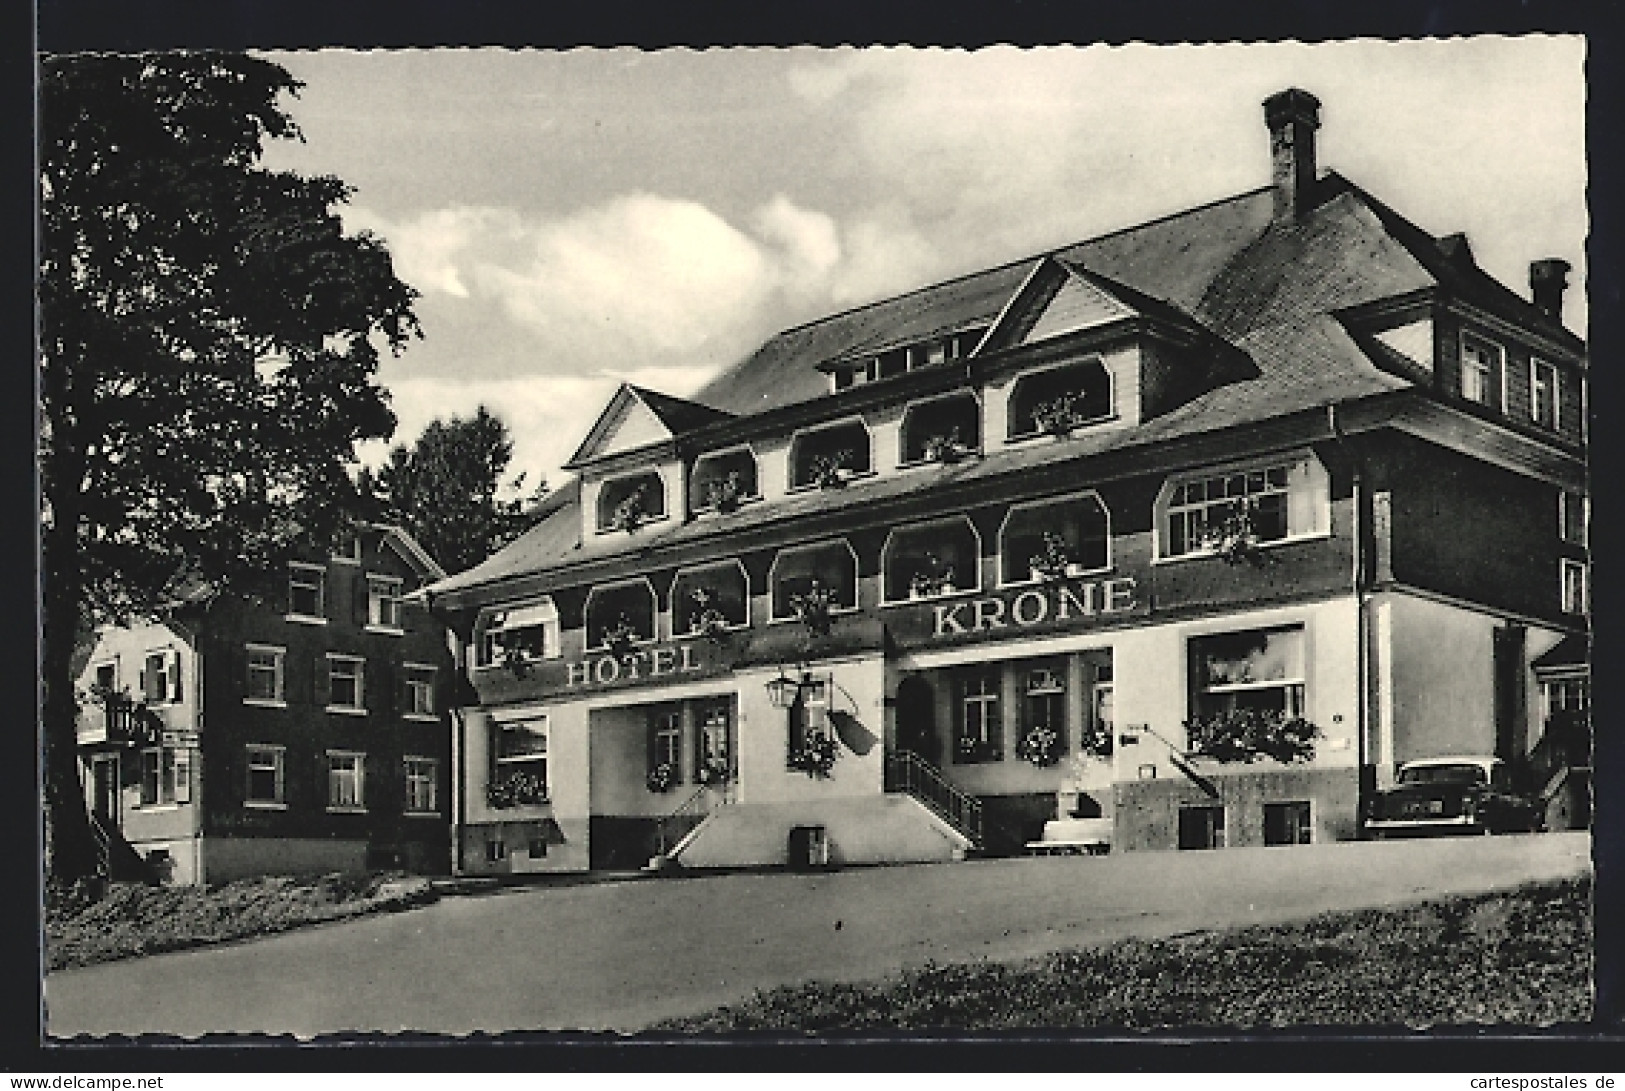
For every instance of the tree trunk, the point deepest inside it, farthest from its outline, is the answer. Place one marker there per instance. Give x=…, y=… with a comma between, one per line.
x=70, y=848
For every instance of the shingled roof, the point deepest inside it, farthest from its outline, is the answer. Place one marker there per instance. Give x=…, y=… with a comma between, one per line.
x=1272, y=287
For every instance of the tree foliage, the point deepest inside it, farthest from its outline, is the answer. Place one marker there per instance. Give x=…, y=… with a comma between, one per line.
x=447, y=490
x=209, y=341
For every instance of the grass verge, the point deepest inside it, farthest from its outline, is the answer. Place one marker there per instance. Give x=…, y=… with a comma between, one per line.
x=1522, y=956
x=131, y=919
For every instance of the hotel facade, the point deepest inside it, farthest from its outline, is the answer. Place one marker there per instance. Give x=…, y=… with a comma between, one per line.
x=1186, y=536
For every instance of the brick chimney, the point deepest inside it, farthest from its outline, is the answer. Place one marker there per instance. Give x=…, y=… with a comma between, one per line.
x=1292, y=116
x=1547, y=279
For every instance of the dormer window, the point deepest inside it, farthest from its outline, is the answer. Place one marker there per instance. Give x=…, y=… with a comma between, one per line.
x=1060, y=400
x=723, y=480
x=942, y=430
x=1249, y=506
x=829, y=456
x=626, y=503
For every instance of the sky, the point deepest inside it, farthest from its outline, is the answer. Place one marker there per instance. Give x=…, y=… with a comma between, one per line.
x=578, y=219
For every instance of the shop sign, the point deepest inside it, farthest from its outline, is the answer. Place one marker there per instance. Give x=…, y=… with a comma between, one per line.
x=1053, y=603
x=657, y=662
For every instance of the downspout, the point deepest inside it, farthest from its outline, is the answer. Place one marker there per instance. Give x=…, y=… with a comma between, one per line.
x=1357, y=580
x=458, y=732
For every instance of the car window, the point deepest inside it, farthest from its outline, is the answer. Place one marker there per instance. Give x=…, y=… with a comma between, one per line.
x=1442, y=774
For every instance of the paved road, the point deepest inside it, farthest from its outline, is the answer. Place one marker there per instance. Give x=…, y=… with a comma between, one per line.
x=621, y=954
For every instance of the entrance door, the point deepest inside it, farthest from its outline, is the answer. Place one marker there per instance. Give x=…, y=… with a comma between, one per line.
x=105, y=789
x=916, y=719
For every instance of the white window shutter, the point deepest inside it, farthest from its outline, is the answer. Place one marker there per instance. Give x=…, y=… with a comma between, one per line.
x=173, y=673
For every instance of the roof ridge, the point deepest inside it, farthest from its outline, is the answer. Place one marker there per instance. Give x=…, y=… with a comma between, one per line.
x=1036, y=256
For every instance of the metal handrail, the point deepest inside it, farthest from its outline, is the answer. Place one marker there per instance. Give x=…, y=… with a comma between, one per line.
x=680, y=822
x=908, y=772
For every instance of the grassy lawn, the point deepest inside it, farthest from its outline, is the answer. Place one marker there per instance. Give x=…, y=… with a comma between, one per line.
x=1521, y=956
x=131, y=919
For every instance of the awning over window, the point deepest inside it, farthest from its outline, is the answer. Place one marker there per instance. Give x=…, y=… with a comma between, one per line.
x=525, y=616
x=1573, y=652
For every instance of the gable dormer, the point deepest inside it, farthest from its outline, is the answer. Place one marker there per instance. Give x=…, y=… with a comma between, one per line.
x=1116, y=356
x=631, y=472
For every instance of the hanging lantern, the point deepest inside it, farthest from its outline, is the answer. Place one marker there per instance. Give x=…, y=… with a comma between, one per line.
x=783, y=690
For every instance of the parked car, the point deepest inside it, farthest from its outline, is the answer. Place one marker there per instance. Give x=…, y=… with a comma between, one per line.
x=1452, y=795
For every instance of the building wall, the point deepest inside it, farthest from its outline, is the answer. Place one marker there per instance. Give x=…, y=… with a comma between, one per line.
x=1148, y=810
x=1465, y=528
x=229, y=858
x=306, y=730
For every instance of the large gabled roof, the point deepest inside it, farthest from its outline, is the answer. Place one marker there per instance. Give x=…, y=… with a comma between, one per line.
x=1272, y=288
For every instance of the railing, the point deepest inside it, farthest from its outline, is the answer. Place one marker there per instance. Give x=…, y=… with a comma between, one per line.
x=104, y=846
x=907, y=772
x=1565, y=745
x=693, y=810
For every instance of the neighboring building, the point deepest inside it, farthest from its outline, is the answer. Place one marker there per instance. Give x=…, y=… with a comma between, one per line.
x=1285, y=452
x=310, y=734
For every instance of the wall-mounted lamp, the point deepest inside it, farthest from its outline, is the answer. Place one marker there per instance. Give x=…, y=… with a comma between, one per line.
x=784, y=690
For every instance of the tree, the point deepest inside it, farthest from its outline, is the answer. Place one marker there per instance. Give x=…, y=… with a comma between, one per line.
x=209, y=340
x=445, y=489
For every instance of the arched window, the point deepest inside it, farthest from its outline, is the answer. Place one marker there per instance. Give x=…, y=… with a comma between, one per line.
x=723, y=479
x=621, y=607
x=942, y=429
x=709, y=596
x=1060, y=399
x=626, y=502
x=931, y=559
x=829, y=454
x=831, y=566
x=1250, y=505
x=1066, y=536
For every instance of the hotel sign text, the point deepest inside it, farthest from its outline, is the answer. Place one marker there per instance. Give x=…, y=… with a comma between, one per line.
x=658, y=662
x=1034, y=606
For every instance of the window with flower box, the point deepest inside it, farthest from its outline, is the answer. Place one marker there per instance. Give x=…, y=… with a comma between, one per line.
x=1213, y=512
x=1060, y=400
x=710, y=599
x=979, y=734
x=664, y=769
x=714, y=741
x=829, y=566
x=266, y=682
x=1261, y=669
x=929, y=560
x=829, y=457
x=523, y=633
x=520, y=776
x=809, y=724
x=346, y=780
x=620, y=612
x=626, y=503
x=1043, y=712
x=1051, y=539
x=941, y=430
x=265, y=784
x=723, y=480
